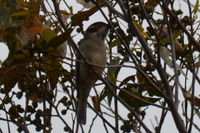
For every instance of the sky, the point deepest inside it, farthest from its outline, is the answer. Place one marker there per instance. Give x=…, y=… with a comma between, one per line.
x=3, y=51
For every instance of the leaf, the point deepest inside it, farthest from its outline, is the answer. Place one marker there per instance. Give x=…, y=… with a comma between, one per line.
x=145, y=85
x=179, y=50
x=34, y=97
x=10, y=75
x=26, y=34
x=127, y=79
x=36, y=29
x=151, y=4
x=23, y=3
x=96, y=103
x=113, y=72
x=140, y=27
x=52, y=68
x=4, y=17
x=11, y=72
x=165, y=39
x=20, y=13
x=48, y=34
x=196, y=7
x=112, y=76
x=134, y=101
x=189, y=97
x=39, y=94
x=58, y=40
x=65, y=15
x=63, y=12
x=164, y=36
x=78, y=18
x=197, y=64
x=115, y=42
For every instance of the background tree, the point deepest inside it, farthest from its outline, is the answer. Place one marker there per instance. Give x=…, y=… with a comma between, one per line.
x=155, y=41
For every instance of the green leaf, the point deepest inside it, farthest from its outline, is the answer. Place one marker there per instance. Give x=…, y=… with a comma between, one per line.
x=116, y=42
x=113, y=72
x=56, y=41
x=112, y=76
x=48, y=34
x=196, y=7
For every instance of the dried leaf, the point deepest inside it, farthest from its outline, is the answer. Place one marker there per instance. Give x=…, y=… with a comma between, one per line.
x=189, y=97
x=136, y=102
x=78, y=18
x=151, y=4
x=96, y=103
x=34, y=97
x=145, y=85
x=127, y=79
x=10, y=75
x=13, y=69
x=35, y=29
x=178, y=48
x=26, y=34
x=197, y=64
x=165, y=36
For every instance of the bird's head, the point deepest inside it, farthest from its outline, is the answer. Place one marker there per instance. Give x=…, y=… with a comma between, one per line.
x=99, y=29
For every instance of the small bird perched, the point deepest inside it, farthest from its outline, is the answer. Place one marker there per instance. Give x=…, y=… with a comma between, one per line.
x=93, y=49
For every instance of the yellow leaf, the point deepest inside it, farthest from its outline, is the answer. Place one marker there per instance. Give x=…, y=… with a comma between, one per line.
x=140, y=27
x=196, y=6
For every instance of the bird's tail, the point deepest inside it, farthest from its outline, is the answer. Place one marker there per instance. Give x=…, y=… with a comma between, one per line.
x=81, y=112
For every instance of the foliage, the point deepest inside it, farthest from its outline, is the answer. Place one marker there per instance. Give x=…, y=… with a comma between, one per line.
x=154, y=41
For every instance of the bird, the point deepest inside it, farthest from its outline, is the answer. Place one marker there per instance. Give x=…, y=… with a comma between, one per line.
x=93, y=50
